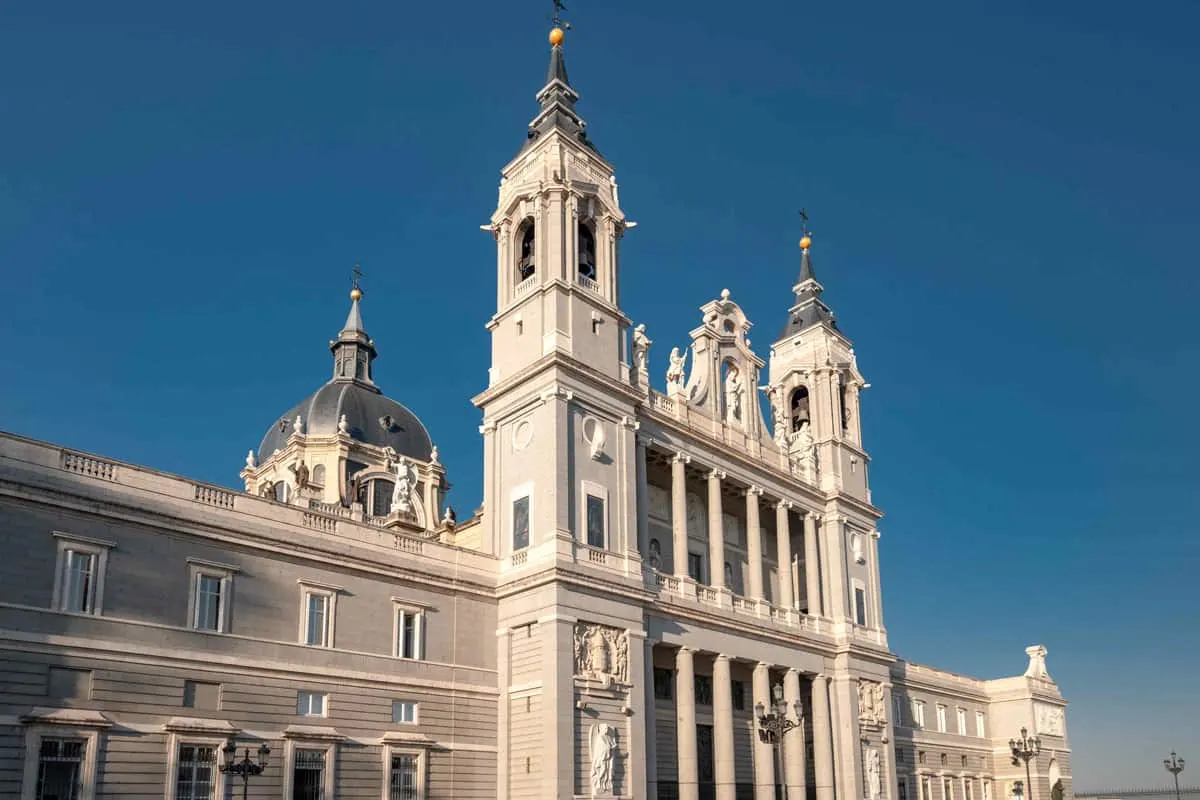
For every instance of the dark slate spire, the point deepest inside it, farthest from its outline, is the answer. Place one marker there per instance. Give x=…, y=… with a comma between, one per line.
x=353, y=350
x=809, y=310
x=557, y=100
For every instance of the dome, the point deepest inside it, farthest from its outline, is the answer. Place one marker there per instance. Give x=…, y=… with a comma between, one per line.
x=371, y=418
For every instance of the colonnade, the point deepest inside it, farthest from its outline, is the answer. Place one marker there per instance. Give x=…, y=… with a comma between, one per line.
x=764, y=765
x=818, y=604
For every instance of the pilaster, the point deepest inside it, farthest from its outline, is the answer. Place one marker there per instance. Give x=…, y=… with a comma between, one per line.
x=640, y=752
x=716, y=532
x=812, y=566
x=649, y=723
x=783, y=541
x=558, y=707
x=754, y=551
x=679, y=542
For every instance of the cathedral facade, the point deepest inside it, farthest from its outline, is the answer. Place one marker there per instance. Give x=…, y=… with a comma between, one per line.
x=664, y=594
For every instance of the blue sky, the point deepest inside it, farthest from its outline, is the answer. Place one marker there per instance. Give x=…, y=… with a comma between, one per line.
x=1004, y=209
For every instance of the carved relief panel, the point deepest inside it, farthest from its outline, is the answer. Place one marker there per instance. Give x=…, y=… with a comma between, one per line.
x=1051, y=720
x=872, y=709
x=601, y=654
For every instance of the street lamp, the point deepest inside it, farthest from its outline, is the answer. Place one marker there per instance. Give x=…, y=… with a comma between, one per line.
x=1174, y=765
x=1025, y=749
x=244, y=768
x=772, y=726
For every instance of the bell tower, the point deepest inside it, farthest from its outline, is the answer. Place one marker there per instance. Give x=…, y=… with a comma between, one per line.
x=558, y=226
x=815, y=385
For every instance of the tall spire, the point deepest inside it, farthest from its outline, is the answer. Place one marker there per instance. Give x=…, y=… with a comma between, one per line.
x=353, y=350
x=808, y=310
x=557, y=98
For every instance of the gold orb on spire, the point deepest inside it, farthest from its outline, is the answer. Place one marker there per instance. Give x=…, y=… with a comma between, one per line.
x=556, y=36
x=356, y=294
x=805, y=242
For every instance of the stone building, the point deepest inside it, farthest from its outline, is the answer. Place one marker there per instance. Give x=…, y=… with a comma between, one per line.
x=646, y=568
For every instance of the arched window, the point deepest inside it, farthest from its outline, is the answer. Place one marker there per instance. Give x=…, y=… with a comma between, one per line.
x=318, y=475
x=587, y=252
x=381, y=498
x=525, y=262
x=799, y=406
x=281, y=491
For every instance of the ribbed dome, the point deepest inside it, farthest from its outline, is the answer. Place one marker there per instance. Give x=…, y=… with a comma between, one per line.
x=370, y=418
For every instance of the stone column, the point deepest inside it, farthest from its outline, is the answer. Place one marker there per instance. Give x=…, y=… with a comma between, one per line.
x=716, y=532
x=679, y=513
x=836, y=605
x=639, y=748
x=812, y=562
x=822, y=738
x=764, y=752
x=876, y=590
x=783, y=554
x=754, y=544
x=643, y=500
x=504, y=678
x=723, y=729
x=794, y=768
x=685, y=723
x=651, y=725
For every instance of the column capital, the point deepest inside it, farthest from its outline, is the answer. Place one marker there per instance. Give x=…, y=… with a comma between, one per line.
x=681, y=457
x=683, y=648
x=875, y=534
x=793, y=671
x=487, y=427
x=753, y=490
x=645, y=440
x=762, y=665
x=722, y=657
x=787, y=504
x=631, y=423
x=718, y=474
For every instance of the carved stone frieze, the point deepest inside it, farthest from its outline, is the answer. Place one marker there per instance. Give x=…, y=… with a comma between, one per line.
x=871, y=707
x=601, y=653
x=1051, y=720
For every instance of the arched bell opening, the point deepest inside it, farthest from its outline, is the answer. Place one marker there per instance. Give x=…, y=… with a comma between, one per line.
x=587, y=252
x=526, y=238
x=798, y=405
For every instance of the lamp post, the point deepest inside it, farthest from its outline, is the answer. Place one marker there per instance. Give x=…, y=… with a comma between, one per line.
x=1025, y=749
x=774, y=724
x=1174, y=765
x=244, y=768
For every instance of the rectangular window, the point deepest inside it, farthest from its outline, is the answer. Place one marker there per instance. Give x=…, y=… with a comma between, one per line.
x=195, y=772
x=948, y=789
x=310, y=704
x=703, y=690
x=926, y=789
x=308, y=774
x=967, y=793
x=738, y=690
x=860, y=605
x=897, y=709
x=962, y=722
x=520, y=523
x=919, y=713
x=662, y=684
x=921, y=758
x=79, y=582
x=987, y=790
x=201, y=695
x=208, y=603
x=595, y=521
x=318, y=613
x=410, y=633
x=901, y=789
x=60, y=768
x=404, y=777
x=979, y=731
x=696, y=567
x=404, y=712
x=941, y=718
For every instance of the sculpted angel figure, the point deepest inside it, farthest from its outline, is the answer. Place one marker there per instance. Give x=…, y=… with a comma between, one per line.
x=602, y=742
x=675, y=370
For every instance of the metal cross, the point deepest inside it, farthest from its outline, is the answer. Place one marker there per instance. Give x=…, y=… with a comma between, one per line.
x=803, y=222
x=358, y=273
x=557, y=19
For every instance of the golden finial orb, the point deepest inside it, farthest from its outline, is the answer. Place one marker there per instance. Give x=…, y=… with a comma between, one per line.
x=556, y=36
x=356, y=294
x=805, y=242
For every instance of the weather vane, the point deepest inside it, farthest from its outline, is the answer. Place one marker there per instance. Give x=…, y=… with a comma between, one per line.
x=557, y=19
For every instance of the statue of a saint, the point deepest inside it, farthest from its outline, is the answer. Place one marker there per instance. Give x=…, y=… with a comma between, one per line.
x=1056, y=791
x=298, y=426
x=433, y=455
x=300, y=470
x=602, y=745
x=402, y=491
x=734, y=389
x=597, y=652
x=641, y=347
x=675, y=370
x=873, y=778
x=343, y=425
